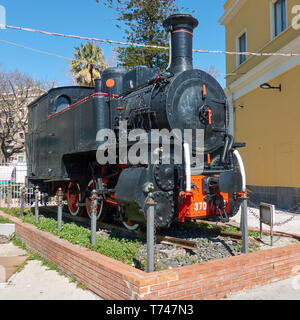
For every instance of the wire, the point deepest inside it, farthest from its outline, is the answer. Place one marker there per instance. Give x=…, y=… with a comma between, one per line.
x=35, y=50
x=84, y=38
x=152, y=46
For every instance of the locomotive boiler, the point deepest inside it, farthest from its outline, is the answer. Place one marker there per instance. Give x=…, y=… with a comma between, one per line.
x=63, y=141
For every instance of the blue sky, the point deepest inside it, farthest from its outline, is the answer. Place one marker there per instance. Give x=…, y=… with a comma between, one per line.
x=88, y=18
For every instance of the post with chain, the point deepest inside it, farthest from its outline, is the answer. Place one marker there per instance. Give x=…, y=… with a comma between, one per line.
x=94, y=198
x=8, y=196
x=22, y=198
x=36, y=199
x=60, y=204
x=150, y=233
x=244, y=223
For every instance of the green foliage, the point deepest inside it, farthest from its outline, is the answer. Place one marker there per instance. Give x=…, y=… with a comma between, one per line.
x=143, y=21
x=18, y=242
x=4, y=220
x=72, y=278
x=203, y=226
x=13, y=211
x=122, y=250
x=87, y=64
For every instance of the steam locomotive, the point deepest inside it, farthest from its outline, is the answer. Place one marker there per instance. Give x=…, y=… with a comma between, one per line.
x=63, y=141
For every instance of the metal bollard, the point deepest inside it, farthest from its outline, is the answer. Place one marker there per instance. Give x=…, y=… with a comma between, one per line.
x=8, y=196
x=150, y=234
x=94, y=199
x=22, y=196
x=36, y=199
x=59, y=195
x=244, y=223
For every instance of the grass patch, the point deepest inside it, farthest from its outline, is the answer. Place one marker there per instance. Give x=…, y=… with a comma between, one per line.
x=15, y=211
x=206, y=227
x=4, y=220
x=203, y=226
x=123, y=250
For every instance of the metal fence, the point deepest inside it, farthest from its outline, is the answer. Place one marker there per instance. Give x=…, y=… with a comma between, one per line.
x=12, y=180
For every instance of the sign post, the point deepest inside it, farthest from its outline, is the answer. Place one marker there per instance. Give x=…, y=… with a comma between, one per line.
x=266, y=216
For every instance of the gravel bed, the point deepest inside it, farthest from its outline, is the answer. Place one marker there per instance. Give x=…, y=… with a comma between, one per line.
x=210, y=247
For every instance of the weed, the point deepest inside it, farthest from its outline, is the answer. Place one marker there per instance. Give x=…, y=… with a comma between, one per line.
x=82, y=286
x=72, y=278
x=122, y=250
x=4, y=220
x=238, y=247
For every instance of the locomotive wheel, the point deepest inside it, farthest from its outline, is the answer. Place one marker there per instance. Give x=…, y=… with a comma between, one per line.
x=88, y=204
x=73, y=197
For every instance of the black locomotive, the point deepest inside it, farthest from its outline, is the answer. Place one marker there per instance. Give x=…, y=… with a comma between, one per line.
x=64, y=125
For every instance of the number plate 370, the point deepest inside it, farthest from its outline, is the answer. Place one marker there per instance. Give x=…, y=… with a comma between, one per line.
x=200, y=206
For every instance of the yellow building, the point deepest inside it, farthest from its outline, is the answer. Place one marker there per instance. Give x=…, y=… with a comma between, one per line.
x=266, y=117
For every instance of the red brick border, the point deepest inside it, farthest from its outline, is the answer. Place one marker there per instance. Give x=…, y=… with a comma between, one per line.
x=112, y=279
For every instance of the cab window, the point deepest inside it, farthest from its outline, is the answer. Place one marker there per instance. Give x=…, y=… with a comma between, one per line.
x=62, y=102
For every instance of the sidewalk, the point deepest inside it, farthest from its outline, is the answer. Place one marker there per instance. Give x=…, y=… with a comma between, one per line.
x=288, y=289
x=36, y=282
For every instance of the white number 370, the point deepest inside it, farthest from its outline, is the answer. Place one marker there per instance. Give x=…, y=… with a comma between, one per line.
x=200, y=206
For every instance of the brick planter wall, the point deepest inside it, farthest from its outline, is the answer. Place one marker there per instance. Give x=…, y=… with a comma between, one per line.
x=112, y=279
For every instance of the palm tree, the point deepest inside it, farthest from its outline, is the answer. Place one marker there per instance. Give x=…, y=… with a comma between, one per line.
x=87, y=64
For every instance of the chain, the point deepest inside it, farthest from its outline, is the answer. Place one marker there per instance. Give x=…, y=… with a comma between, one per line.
x=276, y=212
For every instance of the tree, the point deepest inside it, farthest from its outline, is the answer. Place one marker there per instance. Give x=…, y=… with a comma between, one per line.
x=87, y=64
x=17, y=90
x=143, y=24
x=212, y=70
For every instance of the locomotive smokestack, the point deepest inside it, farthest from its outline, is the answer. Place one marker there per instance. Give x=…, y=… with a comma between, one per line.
x=181, y=26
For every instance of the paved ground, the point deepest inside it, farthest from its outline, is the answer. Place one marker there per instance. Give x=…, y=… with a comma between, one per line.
x=288, y=289
x=36, y=282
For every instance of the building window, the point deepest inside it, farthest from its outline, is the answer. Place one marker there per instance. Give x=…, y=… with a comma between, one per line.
x=241, y=47
x=278, y=17
x=20, y=159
